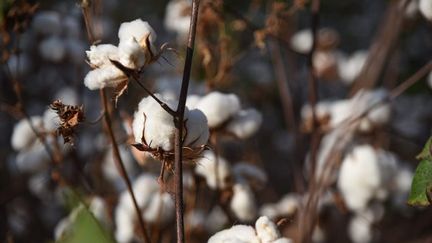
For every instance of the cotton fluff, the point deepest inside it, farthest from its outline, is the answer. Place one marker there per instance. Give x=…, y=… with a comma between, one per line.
x=52, y=49
x=177, y=18
x=349, y=67
x=245, y=123
x=218, y=107
x=302, y=40
x=215, y=177
x=359, y=177
x=425, y=7
x=100, y=55
x=23, y=136
x=106, y=76
x=243, y=202
x=156, y=206
x=131, y=54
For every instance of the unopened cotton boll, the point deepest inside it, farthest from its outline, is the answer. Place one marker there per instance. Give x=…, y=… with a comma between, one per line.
x=215, y=177
x=23, y=136
x=245, y=123
x=350, y=67
x=243, y=202
x=137, y=29
x=266, y=230
x=177, y=17
x=218, y=107
x=52, y=49
x=236, y=234
x=106, y=76
x=100, y=55
x=302, y=41
x=425, y=7
x=47, y=22
x=359, y=177
x=197, y=133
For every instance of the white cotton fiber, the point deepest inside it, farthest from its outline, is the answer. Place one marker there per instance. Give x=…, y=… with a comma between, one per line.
x=349, y=67
x=266, y=230
x=106, y=76
x=197, y=129
x=425, y=7
x=100, y=55
x=177, y=18
x=206, y=167
x=243, y=202
x=245, y=123
x=218, y=107
x=360, y=229
x=137, y=29
x=23, y=136
x=236, y=234
x=131, y=54
x=302, y=41
x=33, y=160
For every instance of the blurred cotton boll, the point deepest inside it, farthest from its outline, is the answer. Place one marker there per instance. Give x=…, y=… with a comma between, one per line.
x=285, y=207
x=67, y=95
x=197, y=131
x=52, y=49
x=50, y=120
x=100, y=55
x=216, y=171
x=245, y=123
x=177, y=17
x=425, y=7
x=218, y=107
x=302, y=41
x=349, y=67
x=243, y=203
x=47, y=23
x=360, y=229
x=244, y=171
x=23, y=136
x=24, y=63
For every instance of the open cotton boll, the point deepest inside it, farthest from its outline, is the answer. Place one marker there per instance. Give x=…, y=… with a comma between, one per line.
x=325, y=64
x=197, y=133
x=160, y=209
x=425, y=7
x=177, y=17
x=206, y=167
x=24, y=62
x=349, y=67
x=52, y=49
x=106, y=76
x=245, y=123
x=236, y=234
x=243, y=202
x=23, y=136
x=243, y=171
x=266, y=230
x=218, y=107
x=100, y=55
x=302, y=40
x=137, y=29
x=359, y=177
x=286, y=206
x=131, y=54
x=366, y=101
x=38, y=184
x=47, y=23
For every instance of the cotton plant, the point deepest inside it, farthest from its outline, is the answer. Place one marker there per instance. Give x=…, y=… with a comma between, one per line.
x=265, y=231
x=157, y=207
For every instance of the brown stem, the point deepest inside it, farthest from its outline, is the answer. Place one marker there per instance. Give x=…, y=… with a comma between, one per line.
x=120, y=165
x=178, y=121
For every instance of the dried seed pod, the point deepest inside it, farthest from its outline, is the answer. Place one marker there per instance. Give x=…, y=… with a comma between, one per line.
x=70, y=116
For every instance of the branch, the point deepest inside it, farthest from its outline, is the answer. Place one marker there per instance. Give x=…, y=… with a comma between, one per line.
x=178, y=121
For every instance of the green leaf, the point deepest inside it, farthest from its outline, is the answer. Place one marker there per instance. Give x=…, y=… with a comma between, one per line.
x=85, y=228
x=421, y=186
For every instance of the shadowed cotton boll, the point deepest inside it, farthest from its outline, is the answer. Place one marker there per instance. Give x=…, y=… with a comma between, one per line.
x=359, y=177
x=23, y=136
x=24, y=63
x=245, y=123
x=243, y=202
x=47, y=23
x=106, y=76
x=100, y=55
x=350, y=67
x=50, y=120
x=52, y=49
x=177, y=17
x=197, y=133
x=206, y=167
x=302, y=41
x=218, y=107
x=425, y=7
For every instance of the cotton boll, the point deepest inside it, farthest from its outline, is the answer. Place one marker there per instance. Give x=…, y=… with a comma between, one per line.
x=283, y=240
x=215, y=220
x=236, y=234
x=289, y=204
x=100, y=55
x=52, y=49
x=350, y=67
x=47, y=23
x=218, y=107
x=206, y=167
x=50, y=120
x=160, y=209
x=23, y=136
x=137, y=29
x=340, y=111
x=266, y=230
x=33, y=160
x=245, y=123
x=124, y=220
x=325, y=64
x=197, y=129
x=177, y=17
x=38, y=184
x=144, y=187
x=106, y=76
x=195, y=219
x=359, y=177
x=243, y=203
x=24, y=63
x=425, y=7
x=131, y=54
x=193, y=100
x=360, y=230
x=302, y=40
x=243, y=171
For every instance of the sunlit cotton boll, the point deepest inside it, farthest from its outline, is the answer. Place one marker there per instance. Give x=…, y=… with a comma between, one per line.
x=139, y=30
x=245, y=123
x=177, y=17
x=100, y=55
x=131, y=54
x=349, y=67
x=243, y=203
x=47, y=22
x=52, y=49
x=206, y=167
x=359, y=177
x=425, y=7
x=302, y=41
x=218, y=107
x=106, y=76
x=23, y=136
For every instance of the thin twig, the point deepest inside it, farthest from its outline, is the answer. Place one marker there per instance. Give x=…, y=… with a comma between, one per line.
x=178, y=121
